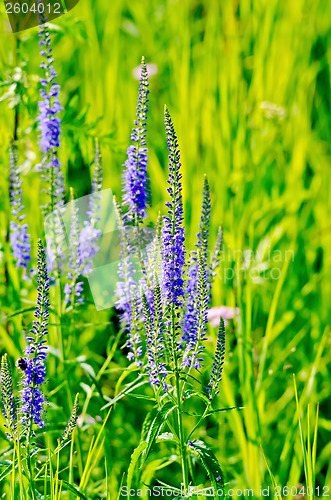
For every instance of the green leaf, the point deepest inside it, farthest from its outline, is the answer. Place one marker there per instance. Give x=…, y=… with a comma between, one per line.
x=17, y=313
x=127, y=390
x=5, y=463
x=73, y=489
x=147, y=423
x=168, y=487
x=166, y=436
x=189, y=394
x=193, y=414
x=210, y=463
x=142, y=396
x=153, y=423
x=91, y=374
x=134, y=459
x=225, y=409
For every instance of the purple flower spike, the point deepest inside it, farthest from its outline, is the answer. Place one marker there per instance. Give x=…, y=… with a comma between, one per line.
x=49, y=107
x=197, y=333
x=8, y=401
x=49, y=125
x=135, y=189
x=19, y=237
x=192, y=282
x=89, y=235
x=66, y=435
x=155, y=349
x=33, y=365
x=128, y=299
x=173, y=233
x=72, y=289
x=83, y=243
x=203, y=234
x=216, y=374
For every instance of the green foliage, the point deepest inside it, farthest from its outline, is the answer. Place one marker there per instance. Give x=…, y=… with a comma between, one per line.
x=248, y=84
x=209, y=462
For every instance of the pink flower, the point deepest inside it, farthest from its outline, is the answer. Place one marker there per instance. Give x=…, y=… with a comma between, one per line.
x=227, y=313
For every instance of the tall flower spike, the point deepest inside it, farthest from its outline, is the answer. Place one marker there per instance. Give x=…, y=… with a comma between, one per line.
x=215, y=259
x=49, y=125
x=197, y=334
x=126, y=271
x=127, y=299
x=205, y=220
x=155, y=339
x=216, y=374
x=134, y=337
x=73, y=289
x=173, y=233
x=33, y=365
x=89, y=235
x=83, y=243
x=152, y=261
x=49, y=122
x=135, y=181
x=192, y=282
x=97, y=172
x=19, y=237
x=8, y=401
x=66, y=435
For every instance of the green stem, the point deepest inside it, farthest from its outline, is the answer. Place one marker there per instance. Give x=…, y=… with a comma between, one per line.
x=29, y=461
x=199, y=422
x=182, y=441
x=182, y=445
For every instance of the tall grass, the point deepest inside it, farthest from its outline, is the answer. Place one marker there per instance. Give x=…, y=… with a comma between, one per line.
x=249, y=88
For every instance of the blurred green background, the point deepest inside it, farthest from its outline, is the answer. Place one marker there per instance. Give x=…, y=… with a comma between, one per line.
x=248, y=85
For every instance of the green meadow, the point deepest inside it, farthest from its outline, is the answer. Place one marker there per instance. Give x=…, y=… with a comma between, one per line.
x=247, y=83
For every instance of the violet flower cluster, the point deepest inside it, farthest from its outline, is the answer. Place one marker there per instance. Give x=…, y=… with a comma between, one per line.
x=173, y=233
x=84, y=241
x=165, y=315
x=30, y=406
x=217, y=370
x=127, y=297
x=73, y=288
x=136, y=198
x=19, y=237
x=155, y=334
x=33, y=364
x=89, y=235
x=194, y=344
x=189, y=329
x=49, y=123
x=135, y=181
x=66, y=435
x=8, y=400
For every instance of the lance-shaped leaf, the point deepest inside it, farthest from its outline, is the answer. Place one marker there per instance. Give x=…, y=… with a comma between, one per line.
x=153, y=423
x=209, y=462
x=134, y=460
x=127, y=390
